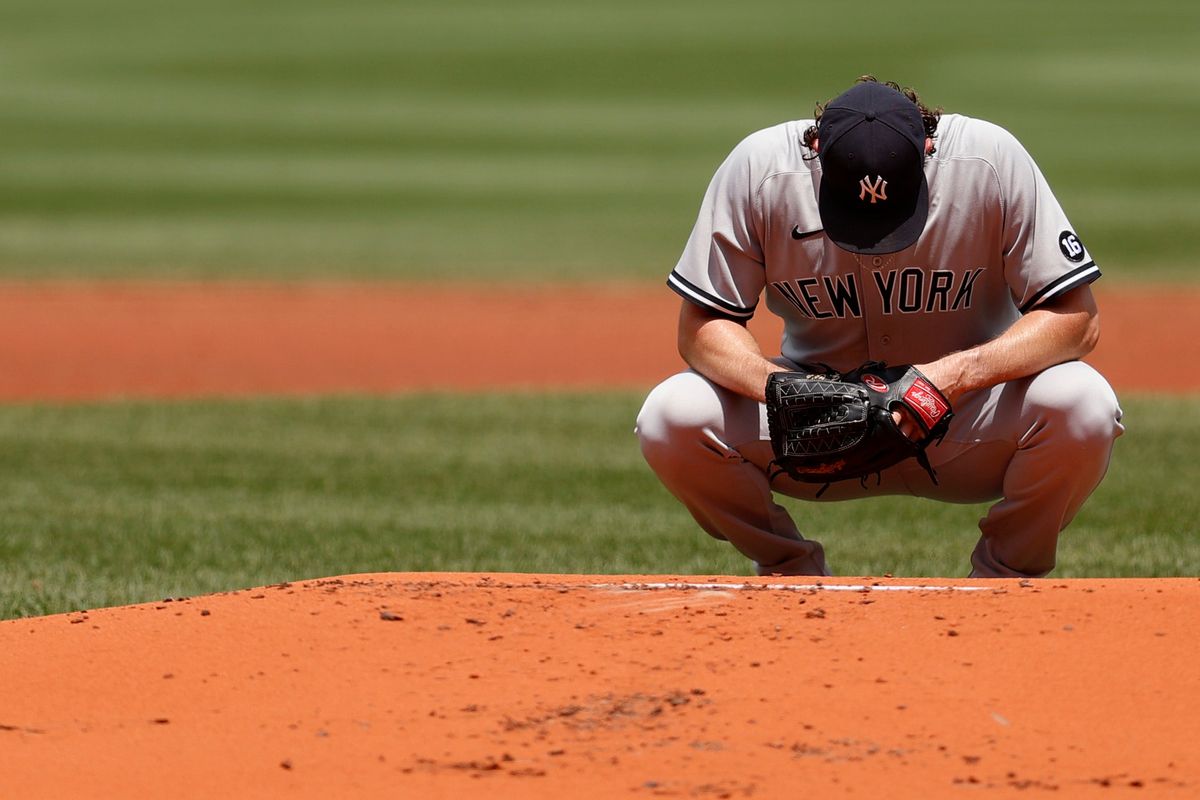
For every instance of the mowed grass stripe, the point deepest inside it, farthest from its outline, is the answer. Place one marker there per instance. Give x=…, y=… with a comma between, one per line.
x=535, y=139
x=113, y=503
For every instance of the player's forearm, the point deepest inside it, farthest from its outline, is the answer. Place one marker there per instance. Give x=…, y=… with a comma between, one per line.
x=1042, y=338
x=723, y=351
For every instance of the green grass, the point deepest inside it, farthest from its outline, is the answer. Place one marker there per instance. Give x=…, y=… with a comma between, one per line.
x=538, y=138
x=104, y=504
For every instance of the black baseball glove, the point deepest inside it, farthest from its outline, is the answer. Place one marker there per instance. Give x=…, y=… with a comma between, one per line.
x=830, y=427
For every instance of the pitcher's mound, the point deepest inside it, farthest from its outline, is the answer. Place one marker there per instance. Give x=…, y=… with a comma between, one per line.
x=528, y=686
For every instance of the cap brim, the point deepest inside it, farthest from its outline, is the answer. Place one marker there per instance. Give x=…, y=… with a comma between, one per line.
x=886, y=231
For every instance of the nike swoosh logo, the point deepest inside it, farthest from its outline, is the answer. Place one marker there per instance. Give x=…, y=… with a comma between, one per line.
x=796, y=234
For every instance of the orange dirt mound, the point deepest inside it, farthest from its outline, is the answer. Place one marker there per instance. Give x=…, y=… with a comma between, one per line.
x=525, y=686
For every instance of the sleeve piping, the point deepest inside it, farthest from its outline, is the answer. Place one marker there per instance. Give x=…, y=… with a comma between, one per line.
x=1073, y=279
x=689, y=291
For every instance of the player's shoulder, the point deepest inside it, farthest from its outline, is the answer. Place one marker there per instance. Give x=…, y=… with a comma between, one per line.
x=960, y=136
x=773, y=149
x=777, y=136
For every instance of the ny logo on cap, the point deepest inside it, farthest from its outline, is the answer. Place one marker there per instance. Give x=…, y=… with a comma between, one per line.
x=877, y=190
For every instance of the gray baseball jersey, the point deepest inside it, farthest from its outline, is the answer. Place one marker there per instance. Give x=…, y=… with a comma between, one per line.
x=997, y=244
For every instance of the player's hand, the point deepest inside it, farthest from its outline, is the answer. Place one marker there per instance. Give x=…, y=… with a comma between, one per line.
x=907, y=425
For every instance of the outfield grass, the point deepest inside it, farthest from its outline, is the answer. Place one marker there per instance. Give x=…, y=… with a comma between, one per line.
x=538, y=138
x=114, y=503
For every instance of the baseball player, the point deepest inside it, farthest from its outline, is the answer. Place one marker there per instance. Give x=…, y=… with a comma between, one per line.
x=886, y=231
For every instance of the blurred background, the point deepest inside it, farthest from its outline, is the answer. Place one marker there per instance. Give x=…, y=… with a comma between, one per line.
x=521, y=142
x=535, y=139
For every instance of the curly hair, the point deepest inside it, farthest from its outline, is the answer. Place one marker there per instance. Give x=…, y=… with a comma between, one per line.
x=929, y=116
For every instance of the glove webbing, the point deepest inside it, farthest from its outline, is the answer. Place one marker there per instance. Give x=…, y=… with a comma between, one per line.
x=775, y=470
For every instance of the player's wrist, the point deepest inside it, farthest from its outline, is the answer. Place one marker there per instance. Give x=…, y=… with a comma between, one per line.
x=949, y=375
x=768, y=368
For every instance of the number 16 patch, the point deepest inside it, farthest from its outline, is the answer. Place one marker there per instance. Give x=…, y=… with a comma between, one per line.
x=1070, y=245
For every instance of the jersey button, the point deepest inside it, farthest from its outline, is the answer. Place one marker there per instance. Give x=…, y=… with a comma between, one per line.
x=885, y=340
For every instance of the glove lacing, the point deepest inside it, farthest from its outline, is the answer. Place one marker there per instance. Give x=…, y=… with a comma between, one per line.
x=774, y=469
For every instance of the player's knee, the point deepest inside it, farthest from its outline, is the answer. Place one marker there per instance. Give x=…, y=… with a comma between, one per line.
x=677, y=412
x=688, y=424
x=1079, y=401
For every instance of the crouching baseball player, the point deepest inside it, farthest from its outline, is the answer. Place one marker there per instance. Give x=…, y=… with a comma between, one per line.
x=935, y=302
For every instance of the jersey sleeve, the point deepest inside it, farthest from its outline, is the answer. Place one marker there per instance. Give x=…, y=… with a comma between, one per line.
x=1043, y=257
x=721, y=267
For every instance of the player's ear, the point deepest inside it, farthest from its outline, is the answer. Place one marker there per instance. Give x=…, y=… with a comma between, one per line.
x=928, y=145
x=816, y=145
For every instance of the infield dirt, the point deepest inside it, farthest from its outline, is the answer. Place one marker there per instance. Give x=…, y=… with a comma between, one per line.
x=86, y=341
x=525, y=686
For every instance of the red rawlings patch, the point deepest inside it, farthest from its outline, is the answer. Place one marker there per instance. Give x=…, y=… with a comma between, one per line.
x=875, y=383
x=925, y=400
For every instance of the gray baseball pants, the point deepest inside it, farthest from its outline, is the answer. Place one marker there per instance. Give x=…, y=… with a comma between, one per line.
x=1038, y=446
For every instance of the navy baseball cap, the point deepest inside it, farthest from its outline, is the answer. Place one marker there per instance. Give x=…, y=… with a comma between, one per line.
x=873, y=198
